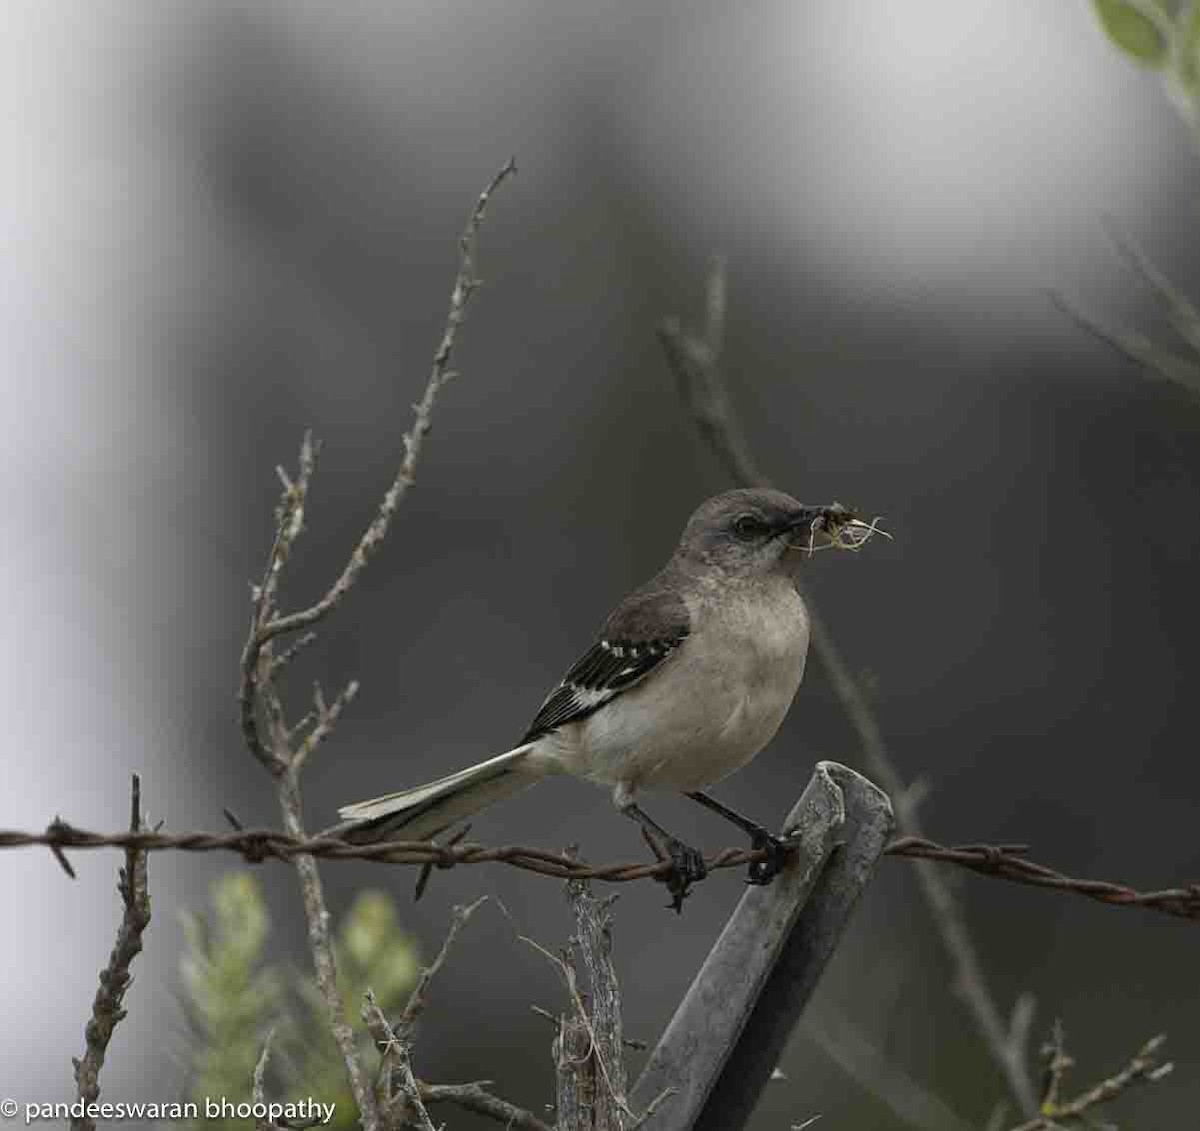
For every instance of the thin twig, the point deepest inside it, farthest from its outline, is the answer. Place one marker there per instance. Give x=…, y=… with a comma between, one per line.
x=1156, y=361
x=395, y=1052
x=257, y=1091
x=415, y=1005
x=258, y=1084
x=298, y=728
x=256, y=666
x=475, y=1097
x=1001, y=861
x=702, y=389
x=1179, y=309
x=1056, y=1064
x=465, y=285
x=266, y=625
x=258, y=696
x=289, y=654
x=115, y=978
x=1143, y=1068
x=395, y=1041
x=327, y=718
x=320, y=944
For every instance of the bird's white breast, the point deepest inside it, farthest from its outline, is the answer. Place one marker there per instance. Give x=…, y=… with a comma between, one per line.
x=711, y=706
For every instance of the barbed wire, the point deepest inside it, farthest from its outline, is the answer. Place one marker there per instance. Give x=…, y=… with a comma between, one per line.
x=1002, y=861
x=1007, y=862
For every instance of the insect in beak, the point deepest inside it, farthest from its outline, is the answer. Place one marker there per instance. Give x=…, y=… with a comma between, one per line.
x=834, y=527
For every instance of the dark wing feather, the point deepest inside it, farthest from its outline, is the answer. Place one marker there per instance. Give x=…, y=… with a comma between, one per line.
x=642, y=632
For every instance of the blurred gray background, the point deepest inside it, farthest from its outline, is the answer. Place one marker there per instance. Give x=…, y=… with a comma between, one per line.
x=226, y=223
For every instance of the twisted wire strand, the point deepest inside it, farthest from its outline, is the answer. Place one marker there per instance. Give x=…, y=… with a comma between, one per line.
x=1003, y=861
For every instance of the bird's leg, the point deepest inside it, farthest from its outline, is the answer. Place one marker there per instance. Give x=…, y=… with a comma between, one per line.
x=777, y=849
x=687, y=863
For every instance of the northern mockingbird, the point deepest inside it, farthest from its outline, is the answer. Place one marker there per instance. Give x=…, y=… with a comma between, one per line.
x=690, y=678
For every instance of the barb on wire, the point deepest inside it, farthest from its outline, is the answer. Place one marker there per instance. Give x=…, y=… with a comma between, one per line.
x=1001, y=861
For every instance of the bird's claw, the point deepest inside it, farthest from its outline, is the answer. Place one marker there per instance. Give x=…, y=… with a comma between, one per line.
x=687, y=868
x=778, y=850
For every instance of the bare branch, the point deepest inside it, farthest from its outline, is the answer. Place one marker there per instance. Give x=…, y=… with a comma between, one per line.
x=574, y=1073
x=652, y=1107
x=257, y=664
x=298, y=728
x=115, y=978
x=694, y=358
x=395, y=1043
x=1143, y=1068
x=474, y=1097
x=702, y=389
x=320, y=944
x=395, y=1053
x=258, y=1087
x=715, y=294
x=288, y=655
x=257, y=1092
x=465, y=285
x=1157, y=362
x=415, y=1005
x=1181, y=312
x=258, y=696
x=593, y=943
x=1057, y=1063
x=583, y=1070
x=327, y=718
x=590, y=1076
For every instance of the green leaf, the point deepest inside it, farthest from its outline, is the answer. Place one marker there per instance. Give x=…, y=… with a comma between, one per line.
x=231, y=996
x=1133, y=30
x=1187, y=48
x=1165, y=10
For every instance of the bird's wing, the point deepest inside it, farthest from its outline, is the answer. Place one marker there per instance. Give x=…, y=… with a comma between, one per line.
x=639, y=635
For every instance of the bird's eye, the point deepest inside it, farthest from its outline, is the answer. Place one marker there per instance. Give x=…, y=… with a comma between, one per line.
x=747, y=527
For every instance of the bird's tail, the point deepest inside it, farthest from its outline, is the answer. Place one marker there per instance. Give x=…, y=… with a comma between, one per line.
x=423, y=812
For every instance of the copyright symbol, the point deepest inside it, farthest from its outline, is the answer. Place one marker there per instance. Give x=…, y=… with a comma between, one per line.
x=8, y=1108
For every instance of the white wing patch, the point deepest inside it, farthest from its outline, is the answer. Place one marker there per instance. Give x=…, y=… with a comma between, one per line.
x=607, y=669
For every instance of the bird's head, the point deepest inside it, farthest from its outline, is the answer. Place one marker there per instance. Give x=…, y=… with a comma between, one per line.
x=758, y=531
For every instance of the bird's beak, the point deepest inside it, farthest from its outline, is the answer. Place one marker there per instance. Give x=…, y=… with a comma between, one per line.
x=813, y=528
x=830, y=527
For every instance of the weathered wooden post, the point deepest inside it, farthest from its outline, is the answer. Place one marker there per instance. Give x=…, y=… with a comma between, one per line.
x=719, y=1049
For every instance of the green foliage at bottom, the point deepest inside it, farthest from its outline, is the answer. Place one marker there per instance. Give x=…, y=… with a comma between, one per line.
x=232, y=998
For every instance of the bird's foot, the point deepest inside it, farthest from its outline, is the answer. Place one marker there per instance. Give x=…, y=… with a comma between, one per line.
x=777, y=849
x=687, y=868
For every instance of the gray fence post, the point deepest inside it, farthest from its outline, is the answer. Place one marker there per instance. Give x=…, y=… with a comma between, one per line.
x=718, y=1051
